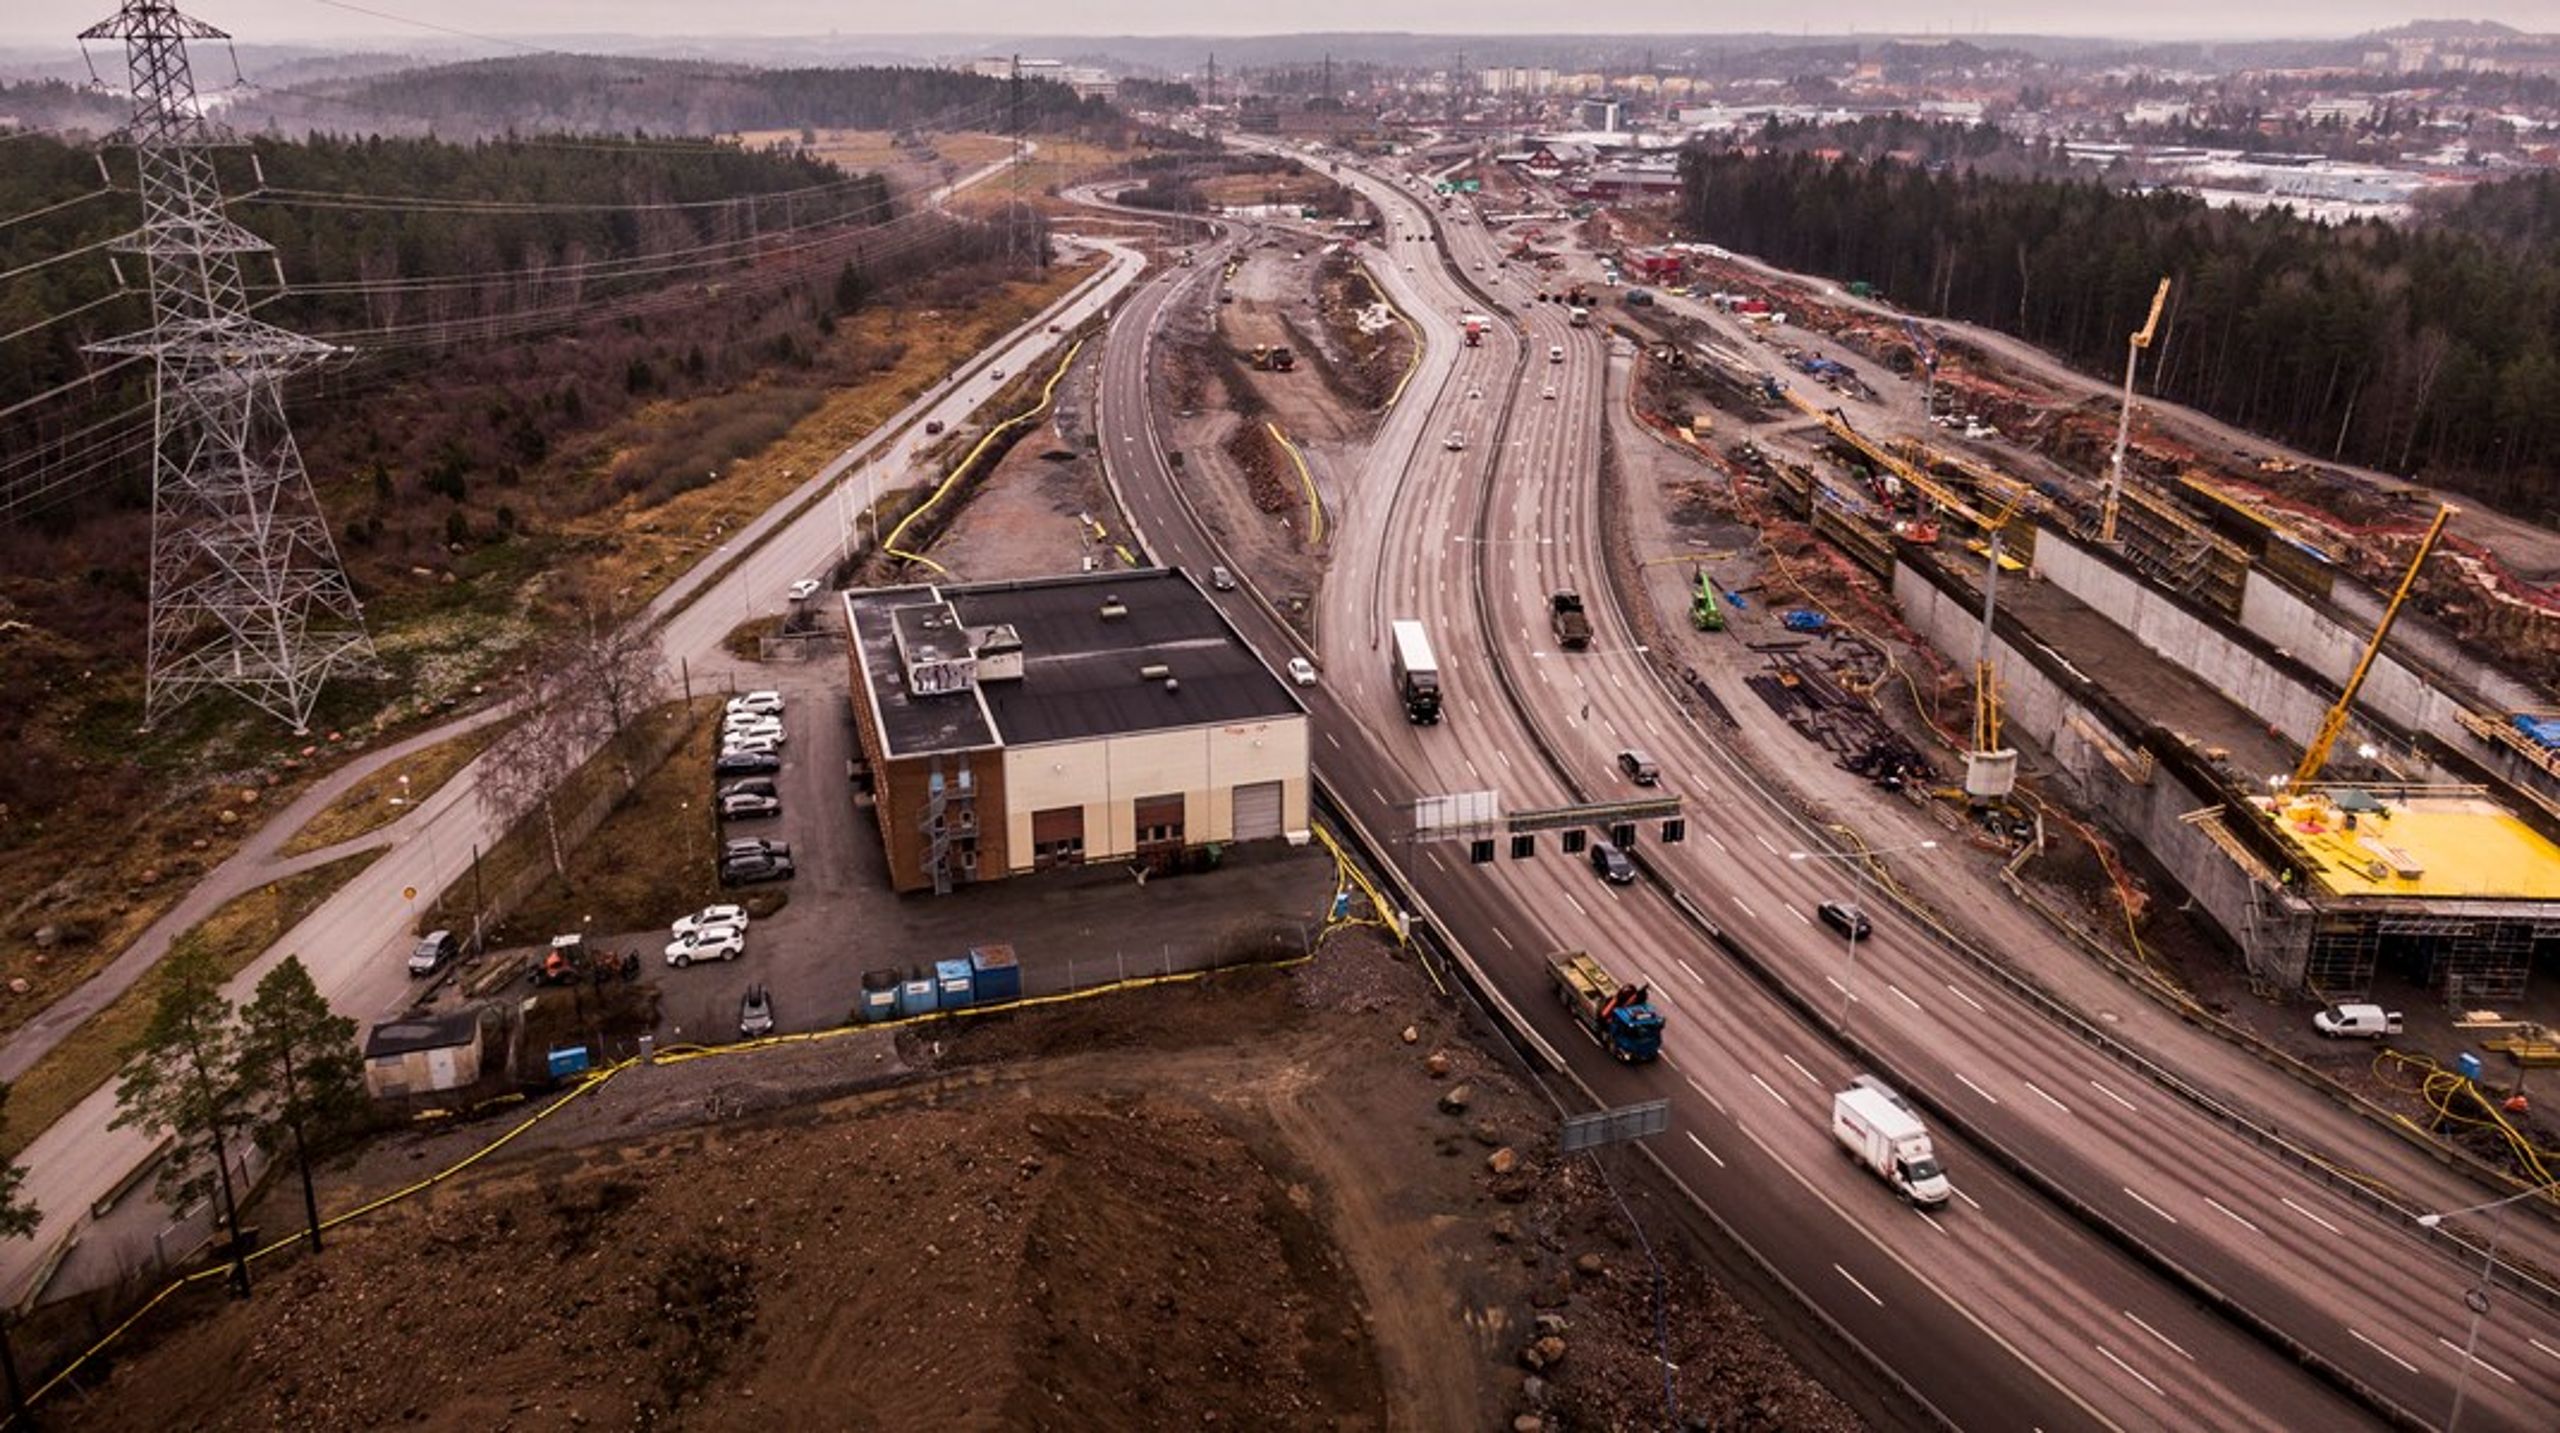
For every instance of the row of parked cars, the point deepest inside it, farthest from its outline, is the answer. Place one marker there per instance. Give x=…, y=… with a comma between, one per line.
x=720, y=933
x=752, y=736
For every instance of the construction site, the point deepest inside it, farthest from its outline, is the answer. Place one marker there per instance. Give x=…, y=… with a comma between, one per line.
x=2273, y=677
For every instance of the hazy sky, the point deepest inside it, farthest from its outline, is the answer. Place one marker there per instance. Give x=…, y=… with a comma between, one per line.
x=57, y=21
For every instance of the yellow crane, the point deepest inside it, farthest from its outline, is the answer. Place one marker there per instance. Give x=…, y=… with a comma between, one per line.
x=2135, y=343
x=2316, y=754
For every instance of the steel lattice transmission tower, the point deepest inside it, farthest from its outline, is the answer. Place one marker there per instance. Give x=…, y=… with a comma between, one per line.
x=246, y=589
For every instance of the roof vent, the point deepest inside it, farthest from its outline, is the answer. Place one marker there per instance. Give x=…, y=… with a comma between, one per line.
x=1154, y=671
x=1113, y=607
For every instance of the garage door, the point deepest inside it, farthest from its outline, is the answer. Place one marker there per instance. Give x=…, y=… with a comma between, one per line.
x=1258, y=811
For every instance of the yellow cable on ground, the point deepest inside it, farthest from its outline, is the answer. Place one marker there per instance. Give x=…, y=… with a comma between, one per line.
x=1315, y=507
x=1047, y=391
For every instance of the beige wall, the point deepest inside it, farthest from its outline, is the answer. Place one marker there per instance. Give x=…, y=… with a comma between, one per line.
x=1108, y=775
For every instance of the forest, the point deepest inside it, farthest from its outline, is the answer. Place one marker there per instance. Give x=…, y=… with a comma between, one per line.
x=2431, y=349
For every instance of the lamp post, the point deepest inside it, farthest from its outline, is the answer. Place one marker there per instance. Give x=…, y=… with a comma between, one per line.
x=1857, y=910
x=2478, y=1298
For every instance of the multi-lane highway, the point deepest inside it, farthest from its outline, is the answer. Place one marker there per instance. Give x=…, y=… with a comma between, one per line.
x=2011, y=1308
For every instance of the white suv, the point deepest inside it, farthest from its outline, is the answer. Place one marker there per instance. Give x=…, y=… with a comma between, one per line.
x=711, y=942
x=766, y=703
x=710, y=915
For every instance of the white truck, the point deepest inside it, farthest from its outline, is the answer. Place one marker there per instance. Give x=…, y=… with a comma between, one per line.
x=1878, y=1130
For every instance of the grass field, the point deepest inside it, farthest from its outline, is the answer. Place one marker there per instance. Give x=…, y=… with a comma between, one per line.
x=91, y=1054
x=381, y=799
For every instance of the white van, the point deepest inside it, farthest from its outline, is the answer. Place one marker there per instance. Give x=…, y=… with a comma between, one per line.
x=2356, y=1022
x=1555, y=353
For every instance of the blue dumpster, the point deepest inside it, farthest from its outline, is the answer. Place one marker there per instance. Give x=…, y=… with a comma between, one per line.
x=953, y=987
x=998, y=974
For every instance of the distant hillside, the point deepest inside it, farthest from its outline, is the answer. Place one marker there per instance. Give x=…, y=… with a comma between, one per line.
x=584, y=94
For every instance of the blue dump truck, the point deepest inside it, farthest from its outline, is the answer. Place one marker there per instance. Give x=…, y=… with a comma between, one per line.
x=1621, y=1018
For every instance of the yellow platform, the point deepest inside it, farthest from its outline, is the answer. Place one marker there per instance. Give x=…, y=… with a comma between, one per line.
x=2421, y=844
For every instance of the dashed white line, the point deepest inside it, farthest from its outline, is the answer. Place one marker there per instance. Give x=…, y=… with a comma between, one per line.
x=2233, y=1217
x=1434, y=858
x=1772, y=1092
x=2307, y=1214
x=2546, y=1348
x=1746, y=909
x=1471, y=771
x=1702, y=1149
x=1577, y=905
x=2048, y=1099
x=2165, y=1340
x=1708, y=1095
x=1764, y=843
x=1337, y=741
x=2110, y=1094
x=1987, y=1096
x=1712, y=841
x=2130, y=1371
x=2386, y=1353
x=1799, y=915
x=1506, y=940
x=2145, y=1203
x=1861, y=1288
x=1898, y=995
x=1379, y=796
x=1958, y=1191
x=1931, y=1220
x=1967, y=999
x=1688, y=970
x=1801, y=1070
x=2484, y=1364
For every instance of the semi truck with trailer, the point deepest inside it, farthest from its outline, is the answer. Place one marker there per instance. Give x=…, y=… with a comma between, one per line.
x=1417, y=673
x=1620, y=1018
x=1878, y=1130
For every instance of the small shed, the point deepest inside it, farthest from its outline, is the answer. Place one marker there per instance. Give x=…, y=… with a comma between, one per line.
x=426, y=1054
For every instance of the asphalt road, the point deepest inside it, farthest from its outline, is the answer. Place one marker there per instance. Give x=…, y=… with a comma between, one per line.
x=355, y=943
x=2056, y=1303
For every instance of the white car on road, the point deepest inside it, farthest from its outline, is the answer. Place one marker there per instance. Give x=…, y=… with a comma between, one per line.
x=806, y=588
x=711, y=942
x=1302, y=671
x=709, y=916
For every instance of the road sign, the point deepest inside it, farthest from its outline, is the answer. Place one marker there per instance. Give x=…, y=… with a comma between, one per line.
x=1617, y=1126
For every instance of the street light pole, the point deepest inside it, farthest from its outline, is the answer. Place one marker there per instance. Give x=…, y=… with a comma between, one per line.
x=2477, y=1299
x=1857, y=912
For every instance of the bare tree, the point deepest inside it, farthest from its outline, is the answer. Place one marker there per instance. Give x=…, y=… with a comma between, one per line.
x=617, y=666
x=530, y=762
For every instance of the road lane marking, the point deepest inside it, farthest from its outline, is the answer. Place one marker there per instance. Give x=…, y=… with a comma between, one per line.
x=1712, y=841
x=1478, y=775
x=2314, y=1218
x=2110, y=1094
x=2129, y=1369
x=1337, y=741
x=2234, y=1218
x=2475, y=1358
x=2546, y=1348
x=1772, y=1093
x=1801, y=1070
x=1799, y=915
x=1577, y=905
x=1764, y=843
x=1379, y=796
x=1434, y=858
x=1967, y=999
x=1506, y=940
x=2145, y=1203
x=1959, y=1193
x=2048, y=1099
x=1702, y=1149
x=1706, y=1094
x=1746, y=909
x=1898, y=995
x=1988, y=1097
x=1689, y=970
x=2168, y=1342
x=2377, y=1348
x=1649, y=726
x=1861, y=1288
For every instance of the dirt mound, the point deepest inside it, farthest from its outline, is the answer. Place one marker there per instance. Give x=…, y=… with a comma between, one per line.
x=1082, y=1261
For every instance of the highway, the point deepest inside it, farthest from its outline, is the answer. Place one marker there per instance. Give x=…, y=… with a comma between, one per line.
x=2008, y=1308
x=356, y=942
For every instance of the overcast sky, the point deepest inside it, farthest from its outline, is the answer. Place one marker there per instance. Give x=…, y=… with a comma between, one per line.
x=26, y=22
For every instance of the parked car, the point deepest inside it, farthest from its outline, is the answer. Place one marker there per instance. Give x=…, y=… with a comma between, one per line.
x=745, y=763
x=752, y=786
x=769, y=743
x=766, y=703
x=711, y=942
x=806, y=588
x=752, y=870
x=1612, y=864
x=435, y=950
x=755, y=1012
x=2356, y=1022
x=753, y=846
x=1302, y=671
x=732, y=733
x=1846, y=919
x=709, y=915
x=1639, y=767
x=747, y=805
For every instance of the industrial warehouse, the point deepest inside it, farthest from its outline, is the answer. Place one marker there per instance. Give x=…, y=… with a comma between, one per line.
x=1008, y=727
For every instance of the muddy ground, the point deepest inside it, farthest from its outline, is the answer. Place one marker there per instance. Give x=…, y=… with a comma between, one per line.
x=1276, y=1199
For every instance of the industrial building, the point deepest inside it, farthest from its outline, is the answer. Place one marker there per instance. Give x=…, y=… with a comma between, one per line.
x=1010, y=727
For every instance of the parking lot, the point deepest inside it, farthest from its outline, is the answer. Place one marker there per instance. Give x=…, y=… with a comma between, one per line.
x=1071, y=929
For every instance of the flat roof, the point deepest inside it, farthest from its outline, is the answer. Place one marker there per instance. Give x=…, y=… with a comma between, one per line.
x=423, y=1032
x=2425, y=844
x=1081, y=669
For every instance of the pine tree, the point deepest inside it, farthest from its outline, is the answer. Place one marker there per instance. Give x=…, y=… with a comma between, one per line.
x=178, y=1081
x=299, y=1059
